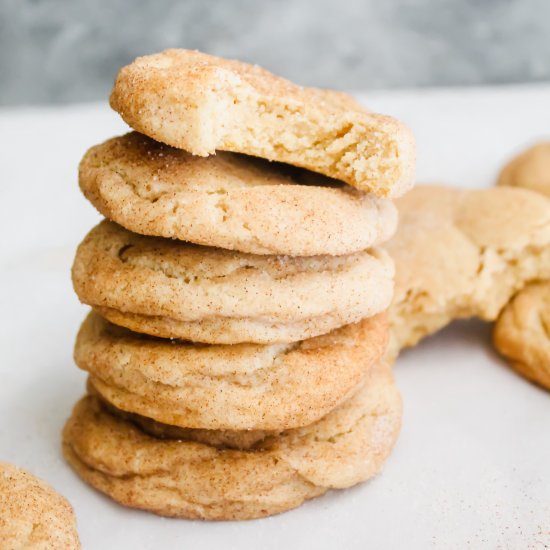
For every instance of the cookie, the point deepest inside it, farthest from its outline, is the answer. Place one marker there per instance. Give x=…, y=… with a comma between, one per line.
x=522, y=333
x=463, y=253
x=184, y=478
x=174, y=289
x=32, y=514
x=201, y=103
x=530, y=169
x=239, y=387
x=230, y=201
x=242, y=440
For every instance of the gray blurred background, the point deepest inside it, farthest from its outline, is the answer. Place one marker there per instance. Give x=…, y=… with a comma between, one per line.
x=57, y=51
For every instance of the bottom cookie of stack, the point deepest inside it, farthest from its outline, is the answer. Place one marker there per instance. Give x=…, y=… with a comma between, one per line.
x=200, y=474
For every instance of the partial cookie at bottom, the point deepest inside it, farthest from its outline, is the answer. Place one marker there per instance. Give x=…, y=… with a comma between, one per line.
x=33, y=514
x=182, y=478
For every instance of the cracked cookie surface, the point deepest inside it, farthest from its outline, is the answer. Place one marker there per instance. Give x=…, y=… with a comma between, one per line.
x=239, y=387
x=463, y=253
x=201, y=103
x=184, y=478
x=32, y=514
x=522, y=332
x=230, y=201
x=174, y=289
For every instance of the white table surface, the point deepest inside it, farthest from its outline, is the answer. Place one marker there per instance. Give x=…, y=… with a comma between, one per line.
x=472, y=466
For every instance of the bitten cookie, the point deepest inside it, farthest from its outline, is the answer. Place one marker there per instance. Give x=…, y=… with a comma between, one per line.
x=183, y=478
x=522, y=333
x=174, y=289
x=530, y=169
x=461, y=253
x=201, y=103
x=230, y=201
x=239, y=387
x=32, y=514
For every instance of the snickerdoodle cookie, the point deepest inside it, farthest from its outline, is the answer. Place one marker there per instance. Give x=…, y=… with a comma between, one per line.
x=522, y=333
x=462, y=253
x=530, y=169
x=230, y=201
x=174, y=289
x=32, y=514
x=239, y=387
x=184, y=478
x=201, y=103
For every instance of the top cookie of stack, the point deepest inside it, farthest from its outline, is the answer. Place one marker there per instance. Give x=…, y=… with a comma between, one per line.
x=264, y=251
x=200, y=103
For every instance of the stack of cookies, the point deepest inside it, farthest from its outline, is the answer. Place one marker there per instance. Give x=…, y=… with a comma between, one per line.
x=234, y=347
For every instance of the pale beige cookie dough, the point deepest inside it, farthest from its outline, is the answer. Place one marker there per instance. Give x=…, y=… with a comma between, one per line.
x=32, y=514
x=201, y=103
x=184, y=478
x=239, y=387
x=522, y=333
x=463, y=253
x=230, y=201
x=174, y=289
x=530, y=169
